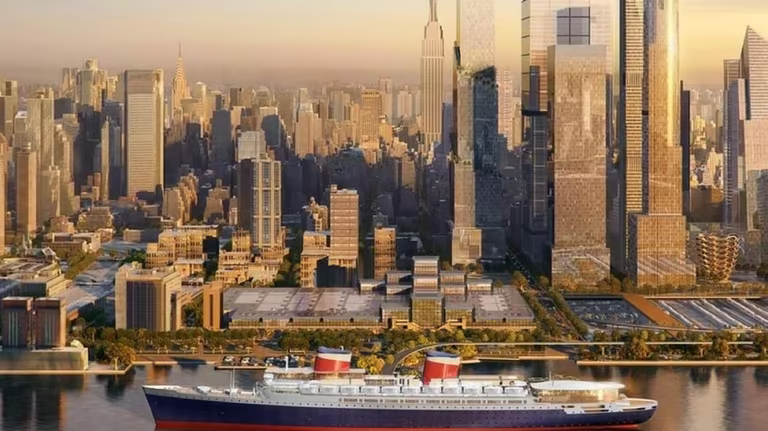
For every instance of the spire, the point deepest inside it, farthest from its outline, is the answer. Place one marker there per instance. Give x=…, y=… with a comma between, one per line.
x=179, y=49
x=432, y=10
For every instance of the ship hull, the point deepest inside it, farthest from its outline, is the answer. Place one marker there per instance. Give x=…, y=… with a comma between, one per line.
x=196, y=414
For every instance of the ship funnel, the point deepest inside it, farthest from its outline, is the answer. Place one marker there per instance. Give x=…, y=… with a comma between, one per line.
x=440, y=365
x=332, y=360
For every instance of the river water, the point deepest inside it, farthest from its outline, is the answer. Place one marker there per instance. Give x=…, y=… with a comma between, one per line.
x=691, y=399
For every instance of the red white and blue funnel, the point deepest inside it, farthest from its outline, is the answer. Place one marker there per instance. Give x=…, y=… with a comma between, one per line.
x=332, y=360
x=440, y=365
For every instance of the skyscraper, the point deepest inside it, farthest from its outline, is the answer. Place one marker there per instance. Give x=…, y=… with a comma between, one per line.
x=685, y=145
x=40, y=133
x=432, y=63
x=576, y=86
x=345, y=225
x=475, y=129
x=223, y=149
x=179, y=86
x=733, y=90
x=387, y=97
x=308, y=129
x=547, y=23
x=630, y=123
x=40, y=126
x=4, y=149
x=371, y=111
x=144, y=129
x=746, y=154
x=26, y=190
x=259, y=201
x=657, y=236
x=250, y=145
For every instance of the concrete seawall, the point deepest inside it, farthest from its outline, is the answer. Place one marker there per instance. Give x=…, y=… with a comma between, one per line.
x=755, y=363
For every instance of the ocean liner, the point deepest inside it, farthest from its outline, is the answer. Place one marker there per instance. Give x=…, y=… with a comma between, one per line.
x=333, y=396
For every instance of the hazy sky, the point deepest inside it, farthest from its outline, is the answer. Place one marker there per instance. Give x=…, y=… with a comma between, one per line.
x=230, y=38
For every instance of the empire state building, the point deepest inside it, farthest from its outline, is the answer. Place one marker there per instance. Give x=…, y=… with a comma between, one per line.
x=432, y=61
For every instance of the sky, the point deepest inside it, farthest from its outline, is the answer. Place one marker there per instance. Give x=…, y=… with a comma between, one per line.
x=233, y=39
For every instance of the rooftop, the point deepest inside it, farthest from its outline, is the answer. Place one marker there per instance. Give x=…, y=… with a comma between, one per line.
x=276, y=303
x=505, y=303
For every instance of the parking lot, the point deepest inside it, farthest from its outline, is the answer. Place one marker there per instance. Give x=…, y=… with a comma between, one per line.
x=607, y=310
x=718, y=314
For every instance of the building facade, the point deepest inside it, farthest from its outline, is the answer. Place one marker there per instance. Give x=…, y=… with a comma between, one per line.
x=651, y=261
x=144, y=130
x=475, y=130
x=144, y=298
x=259, y=201
x=576, y=85
x=26, y=191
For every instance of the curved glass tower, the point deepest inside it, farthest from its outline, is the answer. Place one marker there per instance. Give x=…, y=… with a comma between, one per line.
x=657, y=236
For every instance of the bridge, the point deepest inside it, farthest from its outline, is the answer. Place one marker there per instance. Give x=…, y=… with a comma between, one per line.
x=400, y=356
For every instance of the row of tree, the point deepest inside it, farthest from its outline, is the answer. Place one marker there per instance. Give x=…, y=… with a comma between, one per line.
x=636, y=346
x=79, y=263
x=560, y=303
x=545, y=321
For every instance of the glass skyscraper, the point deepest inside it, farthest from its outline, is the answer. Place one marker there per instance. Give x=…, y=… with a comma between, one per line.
x=746, y=155
x=475, y=180
x=630, y=124
x=548, y=23
x=657, y=236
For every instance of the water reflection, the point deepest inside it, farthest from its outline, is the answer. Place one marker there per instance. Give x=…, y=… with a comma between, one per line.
x=691, y=399
x=41, y=399
x=115, y=386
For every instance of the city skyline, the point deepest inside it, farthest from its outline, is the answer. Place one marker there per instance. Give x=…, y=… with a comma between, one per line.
x=80, y=34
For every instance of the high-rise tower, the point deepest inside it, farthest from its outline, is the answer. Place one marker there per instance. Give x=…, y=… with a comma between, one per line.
x=179, y=88
x=144, y=130
x=475, y=130
x=548, y=215
x=630, y=124
x=432, y=63
x=657, y=236
x=746, y=156
x=258, y=200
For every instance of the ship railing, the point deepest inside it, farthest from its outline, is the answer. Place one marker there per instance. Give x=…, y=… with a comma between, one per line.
x=463, y=400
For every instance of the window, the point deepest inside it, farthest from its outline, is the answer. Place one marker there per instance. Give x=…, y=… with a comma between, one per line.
x=266, y=208
x=266, y=231
x=579, y=26
x=266, y=175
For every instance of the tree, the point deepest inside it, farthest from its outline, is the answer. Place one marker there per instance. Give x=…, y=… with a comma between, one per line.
x=210, y=267
x=193, y=313
x=720, y=348
x=116, y=352
x=627, y=285
x=542, y=282
x=371, y=363
x=761, y=344
x=139, y=256
x=518, y=279
x=762, y=271
x=635, y=349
